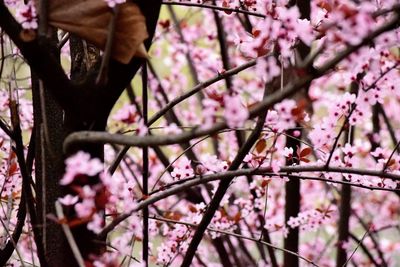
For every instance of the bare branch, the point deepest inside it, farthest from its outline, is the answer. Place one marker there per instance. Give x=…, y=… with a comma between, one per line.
x=214, y=7
x=70, y=237
x=235, y=235
x=197, y=180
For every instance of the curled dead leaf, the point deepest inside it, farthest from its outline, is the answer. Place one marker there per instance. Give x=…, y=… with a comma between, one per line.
x=27, y=35
x=90, y=19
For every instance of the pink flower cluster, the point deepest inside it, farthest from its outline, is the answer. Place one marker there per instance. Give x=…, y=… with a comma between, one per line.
x=129, y=115
x=177, y=243
x=235, y=113
x=27, y=16
x=310, y=220
x=182, y=169
x=80, y=164
x=89, y=199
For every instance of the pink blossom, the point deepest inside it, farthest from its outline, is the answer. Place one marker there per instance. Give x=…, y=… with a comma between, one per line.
x=68, y=200
x=142, y=129
x=235, y=113
x=80, y=164
x=288, y=152
x=182, y=169
x=85, y=208
x=96, y=224
x=26, y=15
x=126, y=114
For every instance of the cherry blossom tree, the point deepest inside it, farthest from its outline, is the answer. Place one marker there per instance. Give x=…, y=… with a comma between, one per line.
x=199, y=133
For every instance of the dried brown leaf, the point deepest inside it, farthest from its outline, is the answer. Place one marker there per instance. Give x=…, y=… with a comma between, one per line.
x=90, y=19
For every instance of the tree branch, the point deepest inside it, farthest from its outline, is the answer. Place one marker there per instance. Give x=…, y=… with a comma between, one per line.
x=42, y=62
x=236, y=235
x=215, y=7
x=284, y=171
x=288, y=90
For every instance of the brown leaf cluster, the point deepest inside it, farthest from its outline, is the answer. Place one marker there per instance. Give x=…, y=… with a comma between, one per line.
x=90, y=19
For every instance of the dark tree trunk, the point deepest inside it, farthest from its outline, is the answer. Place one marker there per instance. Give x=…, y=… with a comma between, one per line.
x=49, y=166
x=292, y=209
x=90, y=111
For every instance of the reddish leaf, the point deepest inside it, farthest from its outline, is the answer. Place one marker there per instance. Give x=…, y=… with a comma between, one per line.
x=223, y=212
x=12, y=155
x=347, y=10
x=264, y=183
x=176, y=216
x=237, y=217
x=80, y=221
x=325, y=5
x=261, y=145
x=256, y=33
x=192, y=208
x=27, y=35
x=262, y=50
x=297, y=111
x=13, y=169
x=215, y=96
x=305, y=152
x=101, y=199
x=165, y=23
x=306, y=160
x=53, y=218
x=391, y=162
x=14, y=196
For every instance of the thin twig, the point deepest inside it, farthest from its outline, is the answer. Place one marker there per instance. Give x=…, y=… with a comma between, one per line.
x=43, y=21
x=391, y=156
x=200, y=87
x=5, y=127
x=344, y=126
x=102, y=76
x=145, y=177
x=2, y=52
x=359, y=243
x=243, y=172
x=45, y=125
x=276, y=97
x=215, y=7
x=63, y=41
x=26, y=178
x=389, y=126
x=7, y=251
x=43, y=182
x=188, y=55
x=223, y=187
x=235, y=235
x=69, y=236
